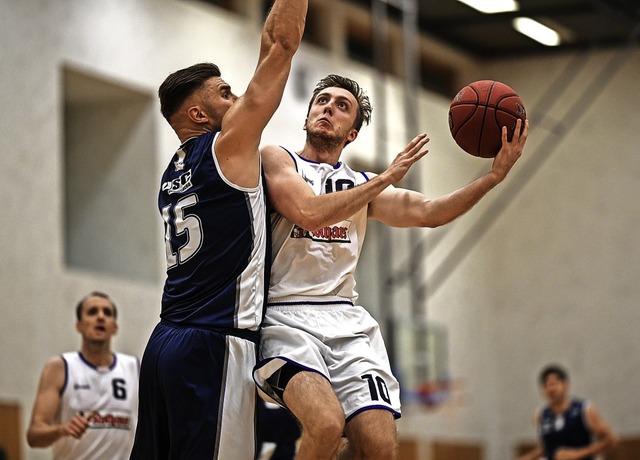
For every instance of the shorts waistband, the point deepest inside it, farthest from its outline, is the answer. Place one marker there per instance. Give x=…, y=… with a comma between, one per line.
x=317, y=301
x=246, y=334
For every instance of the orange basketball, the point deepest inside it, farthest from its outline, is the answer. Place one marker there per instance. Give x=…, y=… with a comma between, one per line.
x=478, y=113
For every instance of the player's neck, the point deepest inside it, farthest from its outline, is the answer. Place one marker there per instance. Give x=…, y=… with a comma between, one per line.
x=561, y=406
x=321, y=155
x=98, y=354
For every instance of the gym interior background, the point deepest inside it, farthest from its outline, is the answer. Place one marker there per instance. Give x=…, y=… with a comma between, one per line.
x=544, y=269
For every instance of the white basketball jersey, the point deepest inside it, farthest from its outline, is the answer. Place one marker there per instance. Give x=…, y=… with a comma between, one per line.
x=320, y=262
x=108, y=397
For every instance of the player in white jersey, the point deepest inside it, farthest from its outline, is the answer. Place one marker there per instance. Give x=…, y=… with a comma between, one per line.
x=322, y=356
x=87, y=400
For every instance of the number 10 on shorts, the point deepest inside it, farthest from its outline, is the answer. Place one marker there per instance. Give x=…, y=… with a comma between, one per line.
x=377, y=388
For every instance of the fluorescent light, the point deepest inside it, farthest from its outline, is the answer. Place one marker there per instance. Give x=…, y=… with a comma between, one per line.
x=539, y=32
x=492, y=6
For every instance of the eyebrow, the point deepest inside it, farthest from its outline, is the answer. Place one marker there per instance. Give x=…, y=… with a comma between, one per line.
x=96, y=308
x=339, y=97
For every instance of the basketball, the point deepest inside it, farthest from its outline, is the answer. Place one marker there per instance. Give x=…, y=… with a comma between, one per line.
x=478, y=113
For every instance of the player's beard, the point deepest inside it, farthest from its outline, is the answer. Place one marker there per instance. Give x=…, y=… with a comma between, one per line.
x=324, y=141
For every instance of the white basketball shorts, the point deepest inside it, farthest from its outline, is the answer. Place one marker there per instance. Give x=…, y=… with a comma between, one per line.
x=336, y=339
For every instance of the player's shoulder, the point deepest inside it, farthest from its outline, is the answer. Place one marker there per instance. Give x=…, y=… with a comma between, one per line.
x=274, y=150
x=130, y=362
x=276, y=154
x=55, y=370
x=56, y=361
x=126, y=358
x=580, y=403
x=125, y=355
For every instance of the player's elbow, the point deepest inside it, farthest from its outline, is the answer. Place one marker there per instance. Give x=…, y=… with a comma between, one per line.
x=434, y=220
x=284, y=41
x=309, y=220
x=436, y=214
x=34, y=441
x=611, y=442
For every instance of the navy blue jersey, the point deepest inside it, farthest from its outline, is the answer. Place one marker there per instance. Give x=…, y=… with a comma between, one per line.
x=216, y=239
x=568, y=429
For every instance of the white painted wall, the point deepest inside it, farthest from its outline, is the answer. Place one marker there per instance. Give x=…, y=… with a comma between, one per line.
x=552, y=280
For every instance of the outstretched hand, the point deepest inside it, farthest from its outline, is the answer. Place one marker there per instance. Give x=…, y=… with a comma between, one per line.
x=405, y=159
x=510, y=151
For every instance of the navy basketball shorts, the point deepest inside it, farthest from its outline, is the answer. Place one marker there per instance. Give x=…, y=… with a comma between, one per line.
x=197, y=398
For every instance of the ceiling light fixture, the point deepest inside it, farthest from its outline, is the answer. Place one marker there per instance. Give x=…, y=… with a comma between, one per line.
x=492, y=6
x=537, y=31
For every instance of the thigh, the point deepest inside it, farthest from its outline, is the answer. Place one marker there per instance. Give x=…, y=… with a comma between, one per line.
x=309, y=396
x=199, y=418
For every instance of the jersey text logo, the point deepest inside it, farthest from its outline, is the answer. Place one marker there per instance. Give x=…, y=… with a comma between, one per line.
x=333, y=234
x=179, y=184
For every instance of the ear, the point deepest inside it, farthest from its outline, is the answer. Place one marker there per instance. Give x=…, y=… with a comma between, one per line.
x=352, y=135
x=78, y=326
x=115, y=327
x=197, y=115
x=304, y=127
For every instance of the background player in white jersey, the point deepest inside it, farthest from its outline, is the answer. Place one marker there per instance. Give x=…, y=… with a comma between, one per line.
x=87, y=400
x=569, y=428
x=321, y=355
x=197, y=397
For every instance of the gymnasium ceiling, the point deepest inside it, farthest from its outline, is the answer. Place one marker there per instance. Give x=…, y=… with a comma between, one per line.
x=584, y=24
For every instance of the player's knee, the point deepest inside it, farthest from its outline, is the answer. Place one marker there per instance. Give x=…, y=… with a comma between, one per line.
x=327, y=430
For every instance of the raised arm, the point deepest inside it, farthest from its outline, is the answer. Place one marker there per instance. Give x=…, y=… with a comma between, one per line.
x=292, y=197
x=407, y=208
x=243, y=124
x=43, y=429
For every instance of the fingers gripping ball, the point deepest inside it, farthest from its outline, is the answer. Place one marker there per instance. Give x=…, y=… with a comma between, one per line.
x=478, y=113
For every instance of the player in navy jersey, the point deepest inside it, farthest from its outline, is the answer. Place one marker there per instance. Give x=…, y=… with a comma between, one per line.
x=322, y=356
x=86, y=405
x=197, y=398
x=569, y=428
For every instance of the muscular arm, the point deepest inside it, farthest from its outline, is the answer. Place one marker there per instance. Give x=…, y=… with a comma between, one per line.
x=43, y=429
x=605, y=439
x=292, y=197
x=243, y=124
x=406, y=208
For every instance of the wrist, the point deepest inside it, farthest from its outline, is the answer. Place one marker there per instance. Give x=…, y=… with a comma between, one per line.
x=384, y=178
x=494, y=178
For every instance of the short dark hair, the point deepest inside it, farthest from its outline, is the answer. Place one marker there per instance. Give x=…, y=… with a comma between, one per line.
x=553, y=369
x=95, y=294
x=364, y=105
x=181, y=84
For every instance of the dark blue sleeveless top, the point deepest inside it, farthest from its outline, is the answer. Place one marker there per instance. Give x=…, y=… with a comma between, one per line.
x=216, y=239
x=568, y=429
